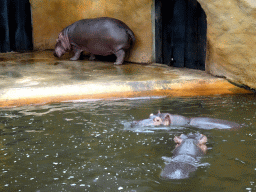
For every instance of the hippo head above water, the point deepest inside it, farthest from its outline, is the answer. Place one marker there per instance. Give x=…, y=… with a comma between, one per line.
x=191, y=139
x=164, y=119
x=154, y=120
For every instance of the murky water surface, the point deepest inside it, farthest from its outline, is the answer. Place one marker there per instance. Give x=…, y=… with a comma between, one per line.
x=87, y=146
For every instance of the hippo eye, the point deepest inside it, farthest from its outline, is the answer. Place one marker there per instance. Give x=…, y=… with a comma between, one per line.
x=157, y=119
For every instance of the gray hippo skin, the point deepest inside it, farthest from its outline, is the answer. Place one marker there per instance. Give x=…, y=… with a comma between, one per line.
x=185, y=156
x=99, y=36
x=168, y=119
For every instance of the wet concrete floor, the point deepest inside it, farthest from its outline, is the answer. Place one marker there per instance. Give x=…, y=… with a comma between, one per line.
x=39, y=77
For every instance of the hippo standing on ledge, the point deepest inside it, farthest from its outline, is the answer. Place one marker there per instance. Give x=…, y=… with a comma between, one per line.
x=186, y=156
x=98, y=36
x=167, y=119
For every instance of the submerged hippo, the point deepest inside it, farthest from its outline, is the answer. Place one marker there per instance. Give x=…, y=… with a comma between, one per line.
x=186, y=156
x=99, y=36
x=167, y=119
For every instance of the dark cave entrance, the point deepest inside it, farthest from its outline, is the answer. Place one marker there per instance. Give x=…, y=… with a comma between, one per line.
x=180, y=33
x=15, y=26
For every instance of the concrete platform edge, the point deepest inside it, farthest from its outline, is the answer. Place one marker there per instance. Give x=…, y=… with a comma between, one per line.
x=42, y=95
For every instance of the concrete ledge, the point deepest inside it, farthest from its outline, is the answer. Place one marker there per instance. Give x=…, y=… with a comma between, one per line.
x=39, y=78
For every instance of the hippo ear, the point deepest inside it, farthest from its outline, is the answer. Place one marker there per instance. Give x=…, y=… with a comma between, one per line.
x=177, y=140
x=202, y=140
x=167, y=120
x=61, y=35
x=64, y=41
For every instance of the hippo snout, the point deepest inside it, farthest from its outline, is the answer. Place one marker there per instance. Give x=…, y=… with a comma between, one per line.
x=143, y=123
x=54, y=53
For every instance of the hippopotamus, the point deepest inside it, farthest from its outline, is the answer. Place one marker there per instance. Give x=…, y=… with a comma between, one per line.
x=167, y=119
x=99, y=36
x=186, y=156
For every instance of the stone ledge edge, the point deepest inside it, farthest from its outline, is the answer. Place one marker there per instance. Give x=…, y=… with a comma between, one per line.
x=43, y=95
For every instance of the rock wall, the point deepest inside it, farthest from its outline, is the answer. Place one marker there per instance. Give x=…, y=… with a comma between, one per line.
x=231, y=39
x=50, y=17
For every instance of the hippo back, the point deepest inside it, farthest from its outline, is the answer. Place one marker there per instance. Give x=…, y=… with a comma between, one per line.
x=210, y=123
x=179, y=120
x=103, y=31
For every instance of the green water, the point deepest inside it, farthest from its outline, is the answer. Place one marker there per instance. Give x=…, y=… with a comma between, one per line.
x=87, y=146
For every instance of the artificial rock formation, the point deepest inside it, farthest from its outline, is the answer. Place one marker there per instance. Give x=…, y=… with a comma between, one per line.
x=231, y=40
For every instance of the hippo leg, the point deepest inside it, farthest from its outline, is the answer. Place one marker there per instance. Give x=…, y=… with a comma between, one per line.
x=119, y=57
x=92, y=57
x=77, y=54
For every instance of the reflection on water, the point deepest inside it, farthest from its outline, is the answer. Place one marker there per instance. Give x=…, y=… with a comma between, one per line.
x=86, y=146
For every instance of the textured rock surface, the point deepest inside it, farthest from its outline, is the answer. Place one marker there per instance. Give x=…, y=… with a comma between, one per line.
x=50, y=17
x=231, y=39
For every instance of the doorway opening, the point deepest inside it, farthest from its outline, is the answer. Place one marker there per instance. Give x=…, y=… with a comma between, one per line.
x=180, y=33
x=15, y=25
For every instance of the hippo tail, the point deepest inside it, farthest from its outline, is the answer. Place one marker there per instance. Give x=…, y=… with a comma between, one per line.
x=131, y=36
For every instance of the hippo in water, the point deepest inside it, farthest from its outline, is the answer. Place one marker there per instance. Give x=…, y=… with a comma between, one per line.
x=168, y=119
x=99, y=36
x=185, y=156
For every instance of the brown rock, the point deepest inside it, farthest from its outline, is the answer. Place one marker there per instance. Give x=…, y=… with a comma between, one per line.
x=231, y=39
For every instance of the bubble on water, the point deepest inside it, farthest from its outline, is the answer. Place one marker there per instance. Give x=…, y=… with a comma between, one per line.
x=96, y=179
